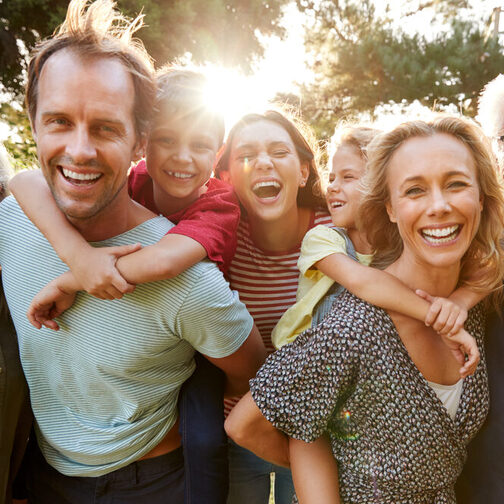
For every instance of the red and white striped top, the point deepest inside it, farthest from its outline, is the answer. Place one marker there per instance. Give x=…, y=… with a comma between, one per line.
x=266, y=281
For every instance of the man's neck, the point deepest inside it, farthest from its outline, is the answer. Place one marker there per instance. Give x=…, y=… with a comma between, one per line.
x=115, y=219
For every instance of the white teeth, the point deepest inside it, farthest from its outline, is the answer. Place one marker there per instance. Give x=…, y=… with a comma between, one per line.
x=80, y=176
x=440, y=235
x=268, y=183
x=440, y=232
x=337, y=204
x=180, y=175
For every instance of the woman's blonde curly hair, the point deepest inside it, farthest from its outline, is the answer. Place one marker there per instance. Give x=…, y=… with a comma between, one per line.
x=482, y=266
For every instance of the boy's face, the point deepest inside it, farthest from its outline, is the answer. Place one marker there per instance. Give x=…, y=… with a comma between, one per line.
x=180, y=155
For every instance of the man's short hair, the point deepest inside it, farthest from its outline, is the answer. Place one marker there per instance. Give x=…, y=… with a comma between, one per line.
x=99, y=30
x=491, y=107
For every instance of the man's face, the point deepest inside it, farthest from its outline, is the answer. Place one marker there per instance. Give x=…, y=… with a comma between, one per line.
x=85, y=131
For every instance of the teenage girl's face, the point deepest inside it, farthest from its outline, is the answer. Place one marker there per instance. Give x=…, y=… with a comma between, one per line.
x=265, y=170
x=343, y=195
x=180, y=155
x=434, y=199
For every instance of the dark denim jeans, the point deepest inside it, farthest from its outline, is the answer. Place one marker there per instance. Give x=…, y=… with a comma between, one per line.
x=157, y=481
x=204, y=440
x=249, y=479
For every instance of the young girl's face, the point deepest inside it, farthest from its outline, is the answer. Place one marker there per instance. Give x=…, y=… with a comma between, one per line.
x=343, y=195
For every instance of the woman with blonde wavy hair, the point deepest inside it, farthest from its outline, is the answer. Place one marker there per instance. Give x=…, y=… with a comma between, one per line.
x=382, y=386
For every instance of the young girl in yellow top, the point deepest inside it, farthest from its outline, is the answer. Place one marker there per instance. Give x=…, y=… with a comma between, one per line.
x=336, y=258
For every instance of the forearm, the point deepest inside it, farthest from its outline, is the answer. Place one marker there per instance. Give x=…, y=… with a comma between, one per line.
x=467, y=298
x=67, y=283
x=247, y=427
x=314, y=471
x=172, y=255
x=36, y=200
x=243, y=364
x=375, y=286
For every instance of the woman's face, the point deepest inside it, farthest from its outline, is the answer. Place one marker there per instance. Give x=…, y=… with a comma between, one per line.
x=265, y=170
x=434, y=198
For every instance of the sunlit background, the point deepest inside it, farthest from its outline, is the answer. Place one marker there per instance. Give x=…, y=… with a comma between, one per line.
x=322, y=82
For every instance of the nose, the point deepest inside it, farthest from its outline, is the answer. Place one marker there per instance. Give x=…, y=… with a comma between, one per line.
x=263, y=161
x=182, y=154
x=81, y=147
x=439, y=203
x=334, y=186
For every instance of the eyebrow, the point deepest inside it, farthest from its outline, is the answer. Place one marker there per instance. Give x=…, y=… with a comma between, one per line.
x=451, y=173
x=251, y=145
x=107, y=120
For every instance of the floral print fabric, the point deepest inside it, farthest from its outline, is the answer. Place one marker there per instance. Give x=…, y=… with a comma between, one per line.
x=352, y=377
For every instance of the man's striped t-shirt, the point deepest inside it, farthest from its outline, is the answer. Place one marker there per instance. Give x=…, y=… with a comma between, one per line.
x=104, y=387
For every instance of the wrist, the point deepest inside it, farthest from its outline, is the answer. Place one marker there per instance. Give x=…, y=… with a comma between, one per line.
x=67, y=283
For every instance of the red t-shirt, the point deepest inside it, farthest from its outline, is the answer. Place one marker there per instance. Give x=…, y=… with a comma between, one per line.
x=212, y=220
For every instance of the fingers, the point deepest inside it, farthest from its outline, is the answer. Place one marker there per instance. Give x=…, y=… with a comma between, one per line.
x=433, y=313
x=470, y=365
x=459, y=323
x=41, y=317
x=122, y=250
x=51, y=324
x=424, y=295
x=446, y=317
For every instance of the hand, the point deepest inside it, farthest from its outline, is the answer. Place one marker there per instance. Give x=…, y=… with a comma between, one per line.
x=462, y=344
x=445, y=316
x=96, y=271
x=51, y=302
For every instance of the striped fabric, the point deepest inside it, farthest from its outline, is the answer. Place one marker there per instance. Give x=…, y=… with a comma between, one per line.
x=104, y=388
x=267, y=282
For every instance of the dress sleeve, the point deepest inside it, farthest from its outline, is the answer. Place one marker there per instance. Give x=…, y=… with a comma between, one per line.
x=298, y=387
x=318, y=243
x=212, y=220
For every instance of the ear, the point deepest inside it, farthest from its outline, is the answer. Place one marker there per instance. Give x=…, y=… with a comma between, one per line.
x=139, y=148
x=305, y=173
x=33, y=130
x=390, y=212
x=225, y=176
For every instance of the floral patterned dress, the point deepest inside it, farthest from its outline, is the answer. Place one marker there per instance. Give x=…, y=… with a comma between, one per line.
x=352, y=377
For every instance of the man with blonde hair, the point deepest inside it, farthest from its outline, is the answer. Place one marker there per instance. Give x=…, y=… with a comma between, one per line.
x=104, y=387
x=491, y=115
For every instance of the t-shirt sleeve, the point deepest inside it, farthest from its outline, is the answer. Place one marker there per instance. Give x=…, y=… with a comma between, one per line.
x=298, y=387
x=212, y=318
x=318, y=243
x=212, y=220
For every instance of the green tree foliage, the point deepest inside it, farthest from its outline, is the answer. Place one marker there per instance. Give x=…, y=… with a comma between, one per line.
x=362, y=59
x=20, y=144
x=226, y=32
x=220, y=31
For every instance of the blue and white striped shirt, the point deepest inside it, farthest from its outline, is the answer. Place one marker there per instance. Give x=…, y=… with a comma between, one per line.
x=104, y=387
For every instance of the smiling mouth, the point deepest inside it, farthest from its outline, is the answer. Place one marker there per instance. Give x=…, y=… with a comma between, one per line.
x=438, y=236
x=79, y=178
x=337, y=204
x=180, y=175
x=267, y=189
